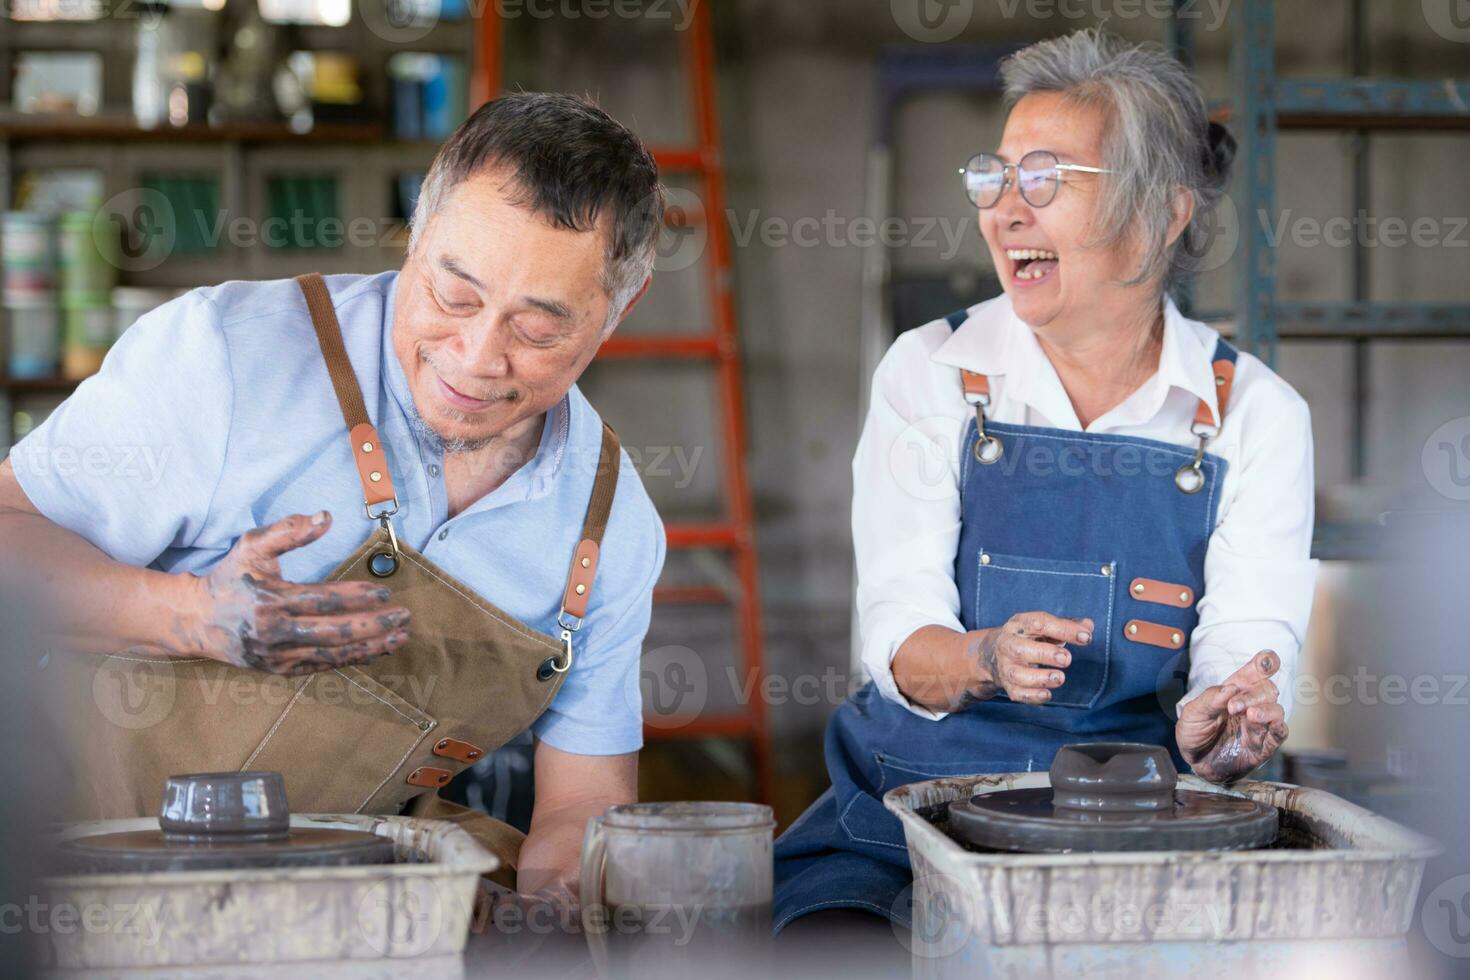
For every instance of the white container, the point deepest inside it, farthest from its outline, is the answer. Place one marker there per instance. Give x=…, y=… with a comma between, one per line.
x=131, y=302
x=419, y=908
x=33, y=336
x=1354, y=879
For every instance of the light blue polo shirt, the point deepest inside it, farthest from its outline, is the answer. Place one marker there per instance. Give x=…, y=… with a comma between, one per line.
x=214, y=414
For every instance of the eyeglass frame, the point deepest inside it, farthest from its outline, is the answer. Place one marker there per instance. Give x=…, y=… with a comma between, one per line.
x=1006, y=168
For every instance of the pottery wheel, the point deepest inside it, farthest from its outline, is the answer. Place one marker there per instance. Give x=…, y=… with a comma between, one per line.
x=1112, y=797
x=151, y=850
x=223, y=820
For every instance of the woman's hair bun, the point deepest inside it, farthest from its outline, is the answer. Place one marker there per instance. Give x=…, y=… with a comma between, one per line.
x=1219, y=153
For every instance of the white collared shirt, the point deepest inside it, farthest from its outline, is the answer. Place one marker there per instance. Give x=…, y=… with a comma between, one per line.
x=1259, y=577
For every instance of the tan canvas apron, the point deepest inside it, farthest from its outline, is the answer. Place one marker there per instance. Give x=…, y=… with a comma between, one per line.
x=380, y=738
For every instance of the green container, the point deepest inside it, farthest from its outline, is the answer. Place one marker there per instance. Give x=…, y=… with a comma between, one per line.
x=87, y=332
x=90, y=254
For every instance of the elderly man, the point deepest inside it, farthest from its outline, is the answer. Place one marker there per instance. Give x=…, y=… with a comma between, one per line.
x=387, y=533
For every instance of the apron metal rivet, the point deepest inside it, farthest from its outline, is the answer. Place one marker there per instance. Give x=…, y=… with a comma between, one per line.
x=367, y=447
x=985, y=559
x=472, y=754
x=1219, y=381
x=581, y=590
x=443, y=744
x=1138, y=589
x=425, y=725
x=382, y=564
x=1107, y=569
x=375, y=476
x=1132, y=628
x=1184, y=597
x=1174, y=637
x=586, y=562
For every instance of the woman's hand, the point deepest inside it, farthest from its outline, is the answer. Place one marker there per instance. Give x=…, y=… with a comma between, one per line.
x=1236, y=726
x=245, y=614
x=1026, y=657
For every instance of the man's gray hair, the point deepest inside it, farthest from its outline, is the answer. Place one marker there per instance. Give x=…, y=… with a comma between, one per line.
x=569, y=162
x=1158, y=140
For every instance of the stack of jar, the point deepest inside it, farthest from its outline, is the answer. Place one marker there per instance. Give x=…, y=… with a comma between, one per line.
x=58, y=278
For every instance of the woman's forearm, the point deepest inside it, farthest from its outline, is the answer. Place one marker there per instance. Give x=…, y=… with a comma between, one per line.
x=940, y=669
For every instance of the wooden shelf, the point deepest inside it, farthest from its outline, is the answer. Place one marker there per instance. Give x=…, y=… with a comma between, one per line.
x=22, y=385
x=114, y=130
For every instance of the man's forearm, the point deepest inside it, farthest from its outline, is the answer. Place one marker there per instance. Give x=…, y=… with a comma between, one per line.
x=82, y=598
x=552, y=852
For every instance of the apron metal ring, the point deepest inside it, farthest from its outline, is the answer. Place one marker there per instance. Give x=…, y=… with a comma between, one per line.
x=1189, y=479
x=988, y=449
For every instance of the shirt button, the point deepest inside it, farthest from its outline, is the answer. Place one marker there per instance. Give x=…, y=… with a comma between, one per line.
x=444, y=534
x=433, y=469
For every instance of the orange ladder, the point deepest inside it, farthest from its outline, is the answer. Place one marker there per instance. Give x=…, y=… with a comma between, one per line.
x=734, y=534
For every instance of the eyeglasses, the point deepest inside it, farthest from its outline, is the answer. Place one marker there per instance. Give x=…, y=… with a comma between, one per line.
x=1037, y=176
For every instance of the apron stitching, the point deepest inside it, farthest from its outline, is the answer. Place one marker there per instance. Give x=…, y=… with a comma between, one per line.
x=377, y=697
x=476, y=603
x=391, y=772
x=272, y=733
x=882, y=781
x=1037, y=571
x=865, y=840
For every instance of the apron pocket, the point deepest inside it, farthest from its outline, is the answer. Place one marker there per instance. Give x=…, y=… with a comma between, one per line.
x=1009, y=584
x=342, y=736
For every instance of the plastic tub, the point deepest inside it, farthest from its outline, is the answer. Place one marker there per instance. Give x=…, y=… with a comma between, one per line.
x=1336, y=874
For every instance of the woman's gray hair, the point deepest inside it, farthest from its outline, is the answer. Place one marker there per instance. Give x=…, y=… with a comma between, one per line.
x=1158, y=140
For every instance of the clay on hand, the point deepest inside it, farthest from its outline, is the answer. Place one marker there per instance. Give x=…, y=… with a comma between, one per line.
x=1025, y=657
x=1234, y=726
x=247, y=615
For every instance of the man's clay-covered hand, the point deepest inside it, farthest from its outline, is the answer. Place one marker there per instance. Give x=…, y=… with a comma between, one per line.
x=245, y=614
x=1236, y=726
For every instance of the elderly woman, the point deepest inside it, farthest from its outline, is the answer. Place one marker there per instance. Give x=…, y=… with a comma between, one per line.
x=1078, y=515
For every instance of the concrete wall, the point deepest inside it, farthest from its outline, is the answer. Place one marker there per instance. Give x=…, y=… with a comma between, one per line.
x=797, y=85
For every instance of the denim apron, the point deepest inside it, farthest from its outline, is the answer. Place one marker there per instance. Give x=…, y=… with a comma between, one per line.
x=1077, y=524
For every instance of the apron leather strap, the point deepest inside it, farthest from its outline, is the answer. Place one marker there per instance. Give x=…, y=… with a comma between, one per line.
x=372, y=462
x=367, y=448
x=584, y=560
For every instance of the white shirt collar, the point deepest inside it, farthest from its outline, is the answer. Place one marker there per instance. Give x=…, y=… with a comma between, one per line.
x=994, y=341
